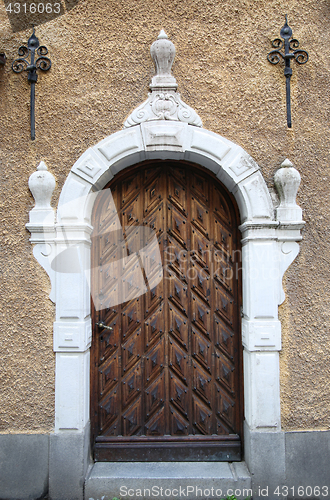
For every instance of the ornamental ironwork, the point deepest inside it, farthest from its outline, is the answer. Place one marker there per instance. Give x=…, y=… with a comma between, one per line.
x=291, y=51
x=42, y=62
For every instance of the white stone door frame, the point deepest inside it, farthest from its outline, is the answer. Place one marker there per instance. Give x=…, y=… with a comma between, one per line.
x=269, y=245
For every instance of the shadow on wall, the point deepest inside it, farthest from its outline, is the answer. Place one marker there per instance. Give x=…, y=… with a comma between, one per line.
x=23, y=15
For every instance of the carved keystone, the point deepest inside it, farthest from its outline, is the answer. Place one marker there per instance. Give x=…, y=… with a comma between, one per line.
x=287, y=180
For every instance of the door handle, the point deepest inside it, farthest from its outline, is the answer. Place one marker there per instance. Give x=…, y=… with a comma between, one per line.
x=100, y=324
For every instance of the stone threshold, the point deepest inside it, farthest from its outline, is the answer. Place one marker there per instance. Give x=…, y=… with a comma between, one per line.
x=149, y=480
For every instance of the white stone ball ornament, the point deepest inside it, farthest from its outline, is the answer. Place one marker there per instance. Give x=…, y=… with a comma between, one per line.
x=42, y=184
x=287, y=180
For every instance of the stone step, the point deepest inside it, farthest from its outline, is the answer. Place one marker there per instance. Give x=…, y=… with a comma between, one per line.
x=150, y=480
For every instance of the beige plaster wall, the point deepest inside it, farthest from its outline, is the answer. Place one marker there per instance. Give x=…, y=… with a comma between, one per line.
x=101, y=69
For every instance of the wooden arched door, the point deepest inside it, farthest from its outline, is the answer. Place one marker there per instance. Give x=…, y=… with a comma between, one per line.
x=166, y=382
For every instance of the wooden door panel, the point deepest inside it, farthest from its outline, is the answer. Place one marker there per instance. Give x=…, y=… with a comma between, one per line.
x=109, y=374
x=202, y=417
x=201, y=350
x=167, y=378
x=178, y=326
x=200, y=217
x=155, y=394
x=108, y=410
x=178, y=294
x=131, y=318
x=132, y=351
x=221, y=207
x=132, y=418
x=154, y=360
x=223, y=338
x=130, y=186
x=179, y=426
x=178, y=361
x=201, y=317
x=155, y=426
x=199, y=187
x=223, y=240
x=177, y=194
x=176, y=260
x=154, y=325
x=179, y=395
x=177, y=226
x=202, y=251
x=131, y=389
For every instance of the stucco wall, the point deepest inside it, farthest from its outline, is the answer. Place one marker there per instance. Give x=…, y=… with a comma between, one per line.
x=101, y=69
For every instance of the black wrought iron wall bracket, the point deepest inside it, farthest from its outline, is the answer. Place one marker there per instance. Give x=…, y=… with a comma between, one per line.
x=274, y=57
x=22, y=64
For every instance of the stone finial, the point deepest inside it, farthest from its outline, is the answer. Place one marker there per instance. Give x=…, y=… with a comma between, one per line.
x=287, y=180
x=163, y=103
x=42, y=185
x=163, y=52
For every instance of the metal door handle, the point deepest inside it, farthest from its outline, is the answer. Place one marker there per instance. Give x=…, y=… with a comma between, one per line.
x=100, y=324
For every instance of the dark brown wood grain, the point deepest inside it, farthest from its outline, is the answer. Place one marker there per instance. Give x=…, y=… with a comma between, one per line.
x=166, y=382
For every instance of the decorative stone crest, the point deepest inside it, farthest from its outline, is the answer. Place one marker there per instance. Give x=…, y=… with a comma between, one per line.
x=163, y=103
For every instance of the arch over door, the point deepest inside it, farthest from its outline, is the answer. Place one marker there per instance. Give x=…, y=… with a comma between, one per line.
x=166, y=382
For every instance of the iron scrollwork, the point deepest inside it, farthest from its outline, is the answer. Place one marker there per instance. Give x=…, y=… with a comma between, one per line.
x=291, y=51
x=23, y=64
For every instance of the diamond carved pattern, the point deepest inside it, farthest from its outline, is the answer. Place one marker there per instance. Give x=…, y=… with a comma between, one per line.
x=176, y=259
x=178, y=361
x=223, y=240
x=225, y=305
x=155, y=395
x=131, y=385
x=109, y=374
x=153, y=195
x=132, y=418
x=179, y=396
x=221, y=207
x=156, y=425
x=201, y=350
x=154, y=360
x=202, y=417
x=177, y=226
x=179, y=426
x=131, y=350
x=224, y=373
x=108, y=409
x=177, y=194
x=178, y=326
x=202, y=385
x=200, y=217
x=178, y=294
x=200, y=315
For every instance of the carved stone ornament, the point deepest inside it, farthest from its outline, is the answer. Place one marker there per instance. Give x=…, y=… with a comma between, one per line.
x=163, y=103
x=287, y=180
x=42, y=185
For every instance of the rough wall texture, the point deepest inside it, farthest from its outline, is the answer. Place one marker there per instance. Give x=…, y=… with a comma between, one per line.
x=101, y=69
